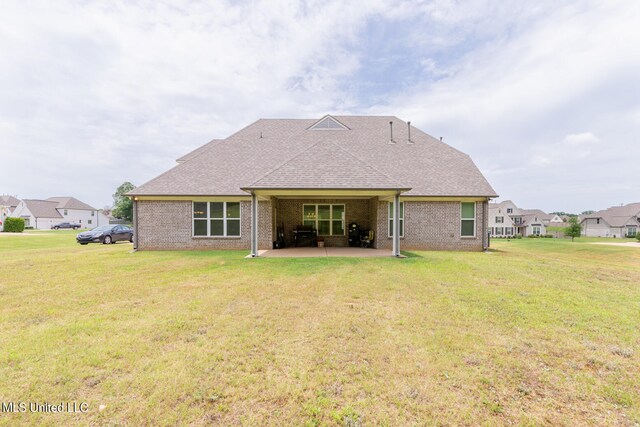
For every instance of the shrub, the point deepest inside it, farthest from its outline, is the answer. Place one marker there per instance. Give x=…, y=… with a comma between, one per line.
x=14, y=225
x=548, y=236
x=518, y=236
x=638, y=237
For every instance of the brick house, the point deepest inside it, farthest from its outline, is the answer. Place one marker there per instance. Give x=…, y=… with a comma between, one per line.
x=278, y=175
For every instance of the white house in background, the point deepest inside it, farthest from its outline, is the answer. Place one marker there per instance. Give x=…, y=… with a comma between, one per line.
x=9, y=202
x=617, y=221
x=38, y=214
x=506, y=219
x=75, y=211
x=42, y=214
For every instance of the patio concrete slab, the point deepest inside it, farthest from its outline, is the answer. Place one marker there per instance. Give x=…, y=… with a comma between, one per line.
x=307, y=252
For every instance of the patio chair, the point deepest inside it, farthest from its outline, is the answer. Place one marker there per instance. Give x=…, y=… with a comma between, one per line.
x=366, y=238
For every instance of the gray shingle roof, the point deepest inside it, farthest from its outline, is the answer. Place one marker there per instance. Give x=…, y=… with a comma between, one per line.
x=70, y=203
x=42, y=208
x=325, y=165
x=9, y=201
x=197, y=151
x=617, y=216
x=428, y=166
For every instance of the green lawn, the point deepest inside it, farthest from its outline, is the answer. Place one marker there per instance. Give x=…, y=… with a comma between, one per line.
x=537, y=332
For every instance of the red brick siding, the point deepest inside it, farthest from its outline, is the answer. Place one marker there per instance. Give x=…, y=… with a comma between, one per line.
x=431, y=226
x=168, y=225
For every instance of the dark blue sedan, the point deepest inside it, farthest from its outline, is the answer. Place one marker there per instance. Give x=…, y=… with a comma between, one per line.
x=106, y=234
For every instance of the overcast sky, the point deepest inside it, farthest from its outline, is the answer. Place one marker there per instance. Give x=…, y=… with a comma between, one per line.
x=544, y=95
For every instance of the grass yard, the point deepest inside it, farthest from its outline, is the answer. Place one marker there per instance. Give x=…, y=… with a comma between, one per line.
x=538, y=332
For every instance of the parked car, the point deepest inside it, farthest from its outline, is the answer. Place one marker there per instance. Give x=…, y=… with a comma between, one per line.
x=106, y=234
x=65, y=225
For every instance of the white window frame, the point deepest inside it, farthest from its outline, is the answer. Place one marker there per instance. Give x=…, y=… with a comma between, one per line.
x=208, y=219
x=499, y=231
x=509, y=210
x=536, y=230
x=499, y=220
x=390, y=221
x=475, y=213
x=632, y=227
x=330, y=220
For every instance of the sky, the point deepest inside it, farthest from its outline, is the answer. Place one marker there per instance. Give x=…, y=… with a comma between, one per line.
x=543, y=95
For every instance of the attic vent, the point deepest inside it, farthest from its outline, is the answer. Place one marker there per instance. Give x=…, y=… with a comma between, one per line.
x=328, y=123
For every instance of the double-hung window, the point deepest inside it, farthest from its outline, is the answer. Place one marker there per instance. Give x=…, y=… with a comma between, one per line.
x=499, y=220
x=216, y=219
x=467, y=219
x=401, y=218
x=328, y=220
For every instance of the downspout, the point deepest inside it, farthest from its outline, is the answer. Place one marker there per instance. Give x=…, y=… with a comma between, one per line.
x=135, y=223
x=254, y=224
x=485, y=237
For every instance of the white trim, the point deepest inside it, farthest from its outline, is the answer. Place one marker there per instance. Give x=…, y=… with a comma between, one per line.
x=475, y=218
x=208, y=220
x=330, y=220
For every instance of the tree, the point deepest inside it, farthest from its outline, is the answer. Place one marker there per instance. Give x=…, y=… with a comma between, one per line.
x=574, y=229
x=122, y=205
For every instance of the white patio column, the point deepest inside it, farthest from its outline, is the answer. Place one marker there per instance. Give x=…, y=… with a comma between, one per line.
x=254, y=225
x=396, y=225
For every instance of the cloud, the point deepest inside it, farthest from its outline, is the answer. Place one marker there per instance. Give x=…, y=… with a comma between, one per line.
x=578, y=139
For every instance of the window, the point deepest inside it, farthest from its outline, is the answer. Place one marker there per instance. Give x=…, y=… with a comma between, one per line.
x=65, y=211
x=597, y=220
x=631, y=231
x=327, y=219
x=468, y=219
x=93, y=213
x=508, y=231
x=535, y=230
x=89, y=221
x=401, y=218
x=216, y=219
x=499, y=231
x=509, y=210
x=499, y=219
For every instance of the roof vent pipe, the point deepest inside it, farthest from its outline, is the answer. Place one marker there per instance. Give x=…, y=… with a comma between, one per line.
x=391, y=141
x=440, y=139
x=409, y=130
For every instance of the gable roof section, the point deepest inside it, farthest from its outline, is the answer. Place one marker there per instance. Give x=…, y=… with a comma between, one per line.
x=325, y=165
x=428, y=166
x=617, y=216
x=70, y=203
x=42, y=208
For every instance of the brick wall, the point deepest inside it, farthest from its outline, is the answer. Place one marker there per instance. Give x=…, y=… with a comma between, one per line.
x=168, y=225
x=430, y=226
x=289, y=214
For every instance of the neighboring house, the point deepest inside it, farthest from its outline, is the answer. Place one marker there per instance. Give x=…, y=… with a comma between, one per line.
x=506, y=219
x=75, y=211
x=617, y=221
x=279, y=174
x=9, y=202
x=42, y=214
x=38, y=214
x=7, y=206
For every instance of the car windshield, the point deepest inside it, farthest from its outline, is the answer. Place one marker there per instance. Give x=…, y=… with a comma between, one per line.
x=102, y=228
